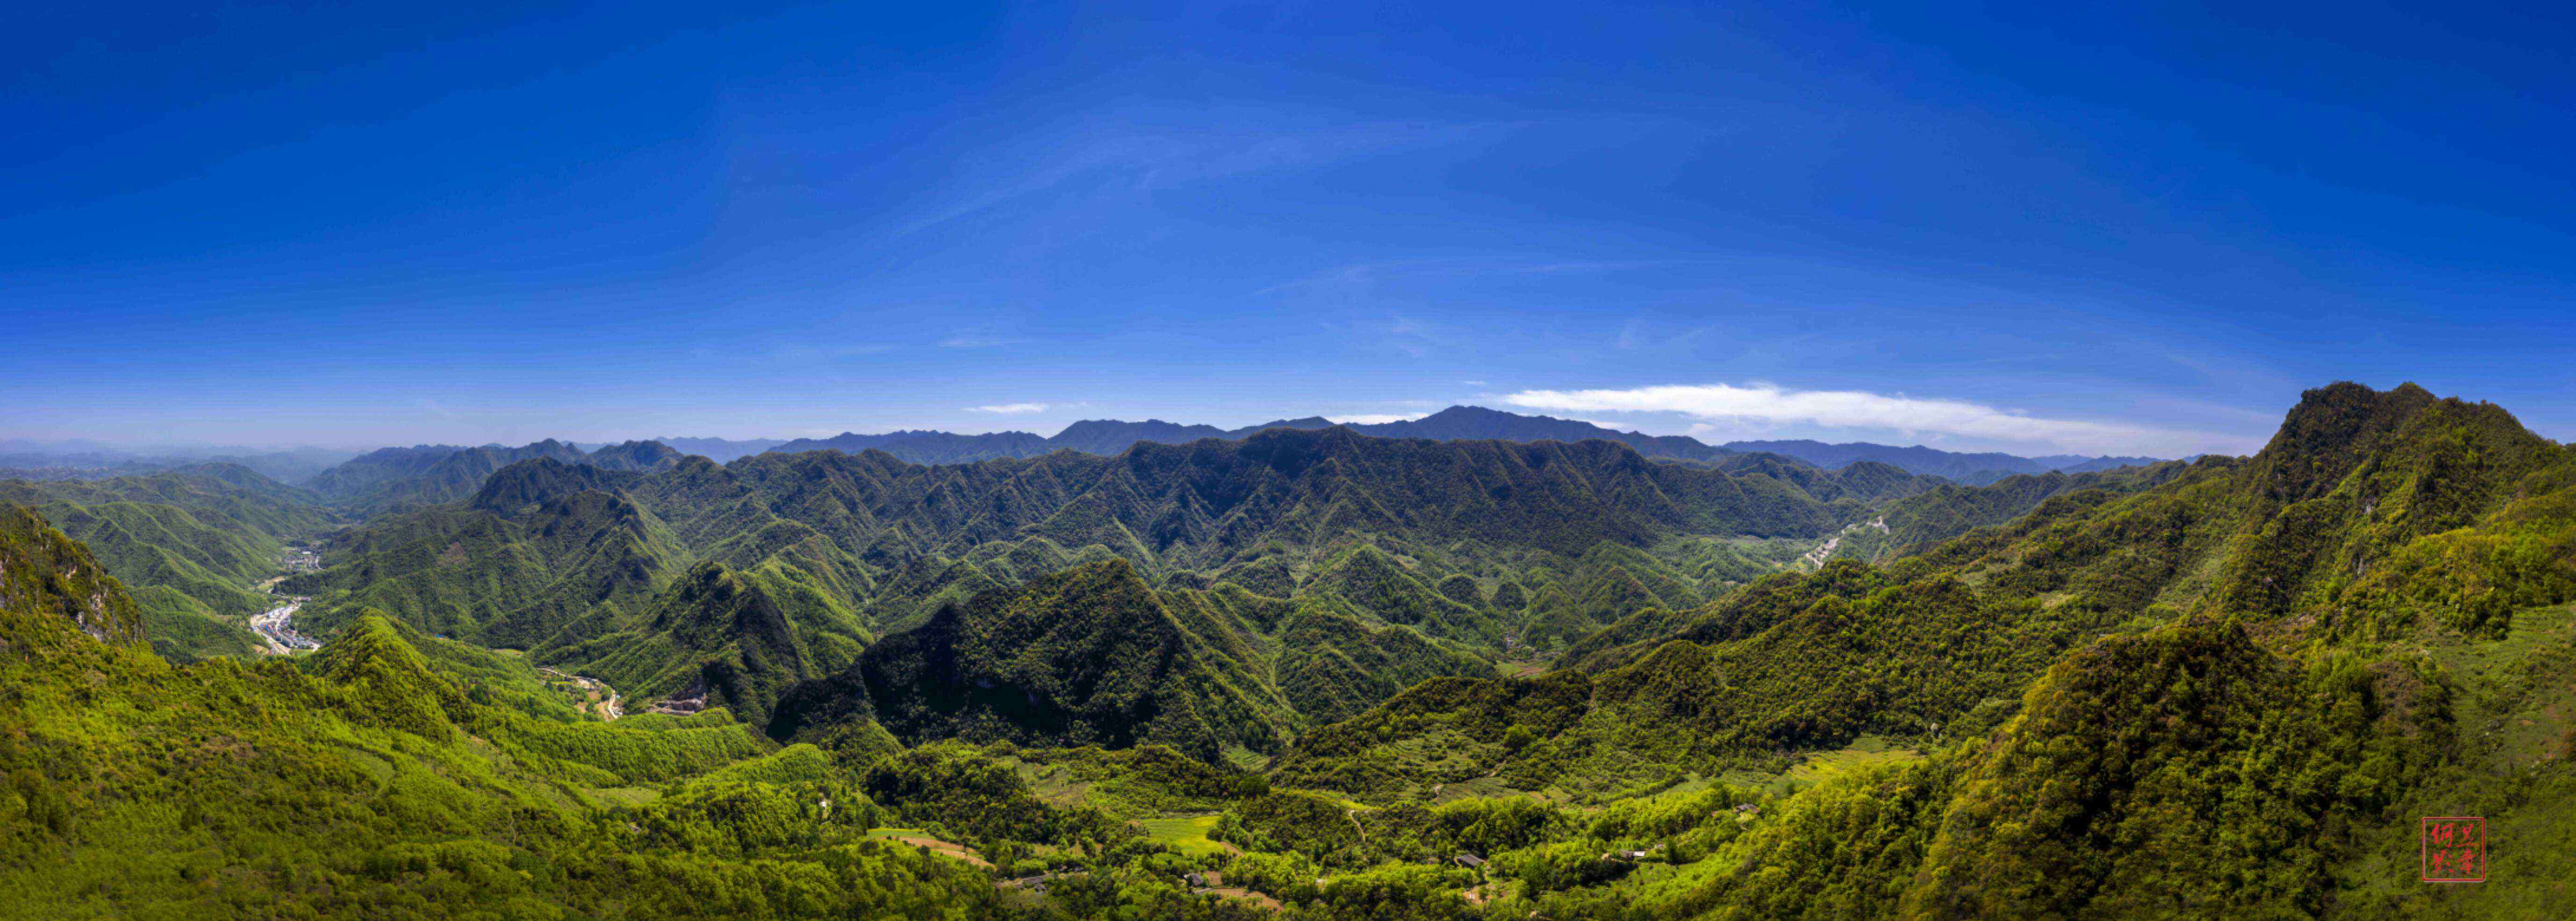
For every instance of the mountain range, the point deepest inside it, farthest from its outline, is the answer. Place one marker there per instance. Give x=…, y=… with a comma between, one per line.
x=1456, y=423
x=1325, y=664
x=427, y=474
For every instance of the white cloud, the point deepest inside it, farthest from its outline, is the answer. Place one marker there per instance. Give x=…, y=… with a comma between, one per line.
x=1009, y=409
x=1767, y=404
x=1376, y=418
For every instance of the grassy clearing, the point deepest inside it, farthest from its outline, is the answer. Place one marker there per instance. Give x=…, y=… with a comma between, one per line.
x=1819, y=766
x=1186, y=834
x=922, y=839
x=1246, y=759
x=625, y=796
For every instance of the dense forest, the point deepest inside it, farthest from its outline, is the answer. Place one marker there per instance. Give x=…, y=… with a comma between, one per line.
x=1302, y=672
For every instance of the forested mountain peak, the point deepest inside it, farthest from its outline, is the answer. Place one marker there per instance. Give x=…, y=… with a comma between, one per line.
x=1090, y=655
x=2337, y=428
x=397, y=478
x=634, y=455
x=709, y=601
x=543, y=480
x=1112, y=436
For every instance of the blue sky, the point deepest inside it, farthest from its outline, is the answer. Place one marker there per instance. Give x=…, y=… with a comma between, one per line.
x=2024, y=228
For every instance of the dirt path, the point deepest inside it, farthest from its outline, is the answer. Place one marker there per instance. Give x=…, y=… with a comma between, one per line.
x=943, y=848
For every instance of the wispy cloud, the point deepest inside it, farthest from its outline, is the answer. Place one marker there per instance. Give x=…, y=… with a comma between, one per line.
x=1009, y=409
x=1412, y=336
x=1376, y=418
x=1630, y=333
x=1361, y=275
x=1145, y=149
x=796, y=351
x=1851, y=409
x=974, y=341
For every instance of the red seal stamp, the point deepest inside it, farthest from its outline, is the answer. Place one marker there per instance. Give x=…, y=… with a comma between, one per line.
x=2455, y=849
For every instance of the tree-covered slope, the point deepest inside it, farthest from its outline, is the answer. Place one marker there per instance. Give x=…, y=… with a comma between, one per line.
x=193, y=545
x=2467, y=517
x=2213, y=693
x=543, y=546
x=1090, y=655
x=714, y=637
x=1095, y=656
x=1913, y=523
x=2228, y=687
x=400, y=478
x=2182, y=772
x=367, y=783
x=396, y=479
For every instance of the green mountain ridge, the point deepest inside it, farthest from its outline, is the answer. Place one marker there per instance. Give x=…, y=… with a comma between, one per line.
x=2264, y=628
x=369, y=781
x=548, y=555
x=1311, y=659
x=192, y=544
x=404, y=477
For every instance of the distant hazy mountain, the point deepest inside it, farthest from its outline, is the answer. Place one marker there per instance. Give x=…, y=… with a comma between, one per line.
x=635, y=455
x=1977, y=468
x=368, y=481
x=927, y=447
x=392, y=478
x=2091, y=465
x=1475, y=423
x=1110, y=436
x=89, y=460
x=378, y=467
x=1457, y=423
x=721, y=450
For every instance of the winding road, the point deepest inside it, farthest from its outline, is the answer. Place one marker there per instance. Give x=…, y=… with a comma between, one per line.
x=609, y=709
x=1825, y=551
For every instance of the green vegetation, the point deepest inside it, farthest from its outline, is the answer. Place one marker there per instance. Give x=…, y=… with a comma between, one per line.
x=1188, y=836
x=547, y=551
x=192, y=545
x=1090, y=655
x=368, y=784
x=1312, y=675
